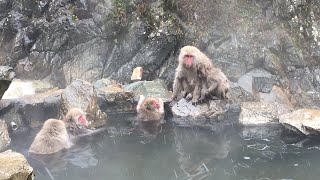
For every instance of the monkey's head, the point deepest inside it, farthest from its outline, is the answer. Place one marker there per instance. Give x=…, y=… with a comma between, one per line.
x=76, y=119
x=188, y=55
x=152, y=105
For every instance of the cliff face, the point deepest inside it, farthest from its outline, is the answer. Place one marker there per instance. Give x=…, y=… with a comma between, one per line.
x=269, y=49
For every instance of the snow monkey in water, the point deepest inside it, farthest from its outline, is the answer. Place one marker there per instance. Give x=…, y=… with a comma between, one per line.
x=186, y=79
x=54, y=134
x=150, y=109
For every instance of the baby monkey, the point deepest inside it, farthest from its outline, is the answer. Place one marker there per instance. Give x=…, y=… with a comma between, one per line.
x=54, y=134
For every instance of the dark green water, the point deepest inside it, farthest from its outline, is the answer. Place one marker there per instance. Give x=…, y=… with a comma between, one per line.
x=132, y=153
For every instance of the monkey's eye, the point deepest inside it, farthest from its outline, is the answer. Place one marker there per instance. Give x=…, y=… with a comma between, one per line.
x=188, y=56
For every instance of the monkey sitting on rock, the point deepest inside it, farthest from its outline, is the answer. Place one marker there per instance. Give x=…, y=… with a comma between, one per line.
x=54, y=134
x=196, y=77
x=186, y=76
x=214, y=83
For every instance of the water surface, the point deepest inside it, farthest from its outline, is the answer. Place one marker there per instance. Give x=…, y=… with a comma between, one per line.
x=128, y=152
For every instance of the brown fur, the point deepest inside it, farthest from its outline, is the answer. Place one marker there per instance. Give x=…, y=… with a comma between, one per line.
x=186, y=78
x=215, y=84
x=54, y=136
x=147, y=112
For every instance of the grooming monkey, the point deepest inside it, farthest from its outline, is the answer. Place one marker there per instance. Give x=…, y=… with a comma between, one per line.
x=214, y=83
x=54, y=134
x=186, y=79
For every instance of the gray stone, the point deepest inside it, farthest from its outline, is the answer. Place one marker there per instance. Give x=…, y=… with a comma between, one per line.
x=14, y=166
x=258, y=113
x=212, y=115
x=81, y=94
x=156, y=89
x=306, y=121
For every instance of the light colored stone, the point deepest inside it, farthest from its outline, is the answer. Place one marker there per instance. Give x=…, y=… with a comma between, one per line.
x=14, y=166
x=254, y=113
x=305, y=120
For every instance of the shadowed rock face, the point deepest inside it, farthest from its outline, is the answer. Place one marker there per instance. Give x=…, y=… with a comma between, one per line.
x=6, y=76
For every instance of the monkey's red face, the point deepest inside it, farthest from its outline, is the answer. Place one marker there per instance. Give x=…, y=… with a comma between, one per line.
x=156, y=104
x=151, y=105
x=188, y=60
x=82, y=120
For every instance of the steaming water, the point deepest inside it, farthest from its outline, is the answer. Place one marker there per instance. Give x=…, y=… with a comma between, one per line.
x=131, y=153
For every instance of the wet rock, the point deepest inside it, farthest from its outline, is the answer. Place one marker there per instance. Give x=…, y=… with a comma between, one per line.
x=81, y=94
x=262, y=131
x=4, y=136
x=115, y=100
x=212, y=115
x=156, y=88
x=306, y=121
x=14, y=165
x=32, y=110
x=6, y=76
x=259, y=113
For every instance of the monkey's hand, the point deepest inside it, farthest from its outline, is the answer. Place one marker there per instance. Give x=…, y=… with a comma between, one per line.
x=195, y=102
x=184, y=94
x=189, y=97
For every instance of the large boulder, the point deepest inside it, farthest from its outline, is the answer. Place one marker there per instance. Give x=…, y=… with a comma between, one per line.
x=306, y=121
x=14, y=166
x=156, y=89
x=19, y=88
x=212, y=115
x=81, y=94
x=31, y=110
x=6, y=76
x=258, y=113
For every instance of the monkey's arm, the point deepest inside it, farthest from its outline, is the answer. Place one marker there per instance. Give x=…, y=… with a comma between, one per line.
x=178, y=83
x=140, y=102
x=197, y=92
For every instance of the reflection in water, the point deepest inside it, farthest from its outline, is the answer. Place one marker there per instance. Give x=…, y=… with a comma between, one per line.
x=129, y=152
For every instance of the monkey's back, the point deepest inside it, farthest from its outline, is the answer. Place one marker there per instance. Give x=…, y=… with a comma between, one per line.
x=52, y=138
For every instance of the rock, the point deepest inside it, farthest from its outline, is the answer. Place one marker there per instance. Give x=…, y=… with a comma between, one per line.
x=14, y=165
x=259, y=113
x=262, y=131
x=115, y=100
x=19, y=88
x=156, y=89
x=101, y=83
x=32, y=110
x=81, y=94
x=306, y=121
x=4, y=136
x=212, y=115
x=6, y=76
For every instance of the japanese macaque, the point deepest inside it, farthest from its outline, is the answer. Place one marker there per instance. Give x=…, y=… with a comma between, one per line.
x=54, y=134
x=186, y=79
x=150, y=109
x=214, y=83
